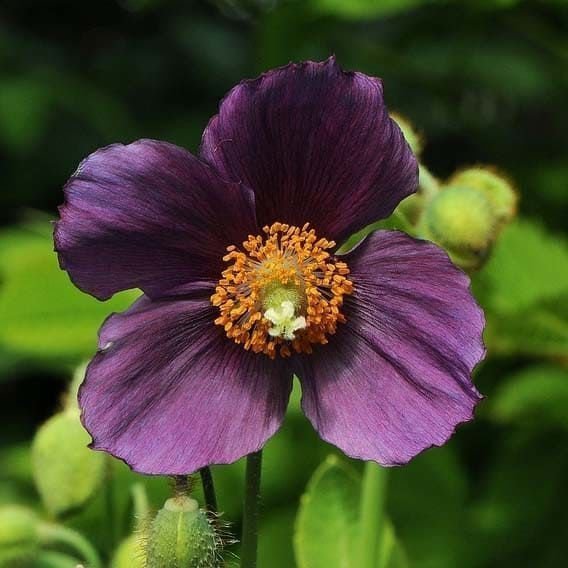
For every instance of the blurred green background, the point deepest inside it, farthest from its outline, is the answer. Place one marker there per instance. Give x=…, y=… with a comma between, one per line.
x=484, y=81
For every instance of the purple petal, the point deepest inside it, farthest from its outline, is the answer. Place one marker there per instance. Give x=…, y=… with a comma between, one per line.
x=148, y=215
x=168, y=393
x=395, y=379
x=316, y=145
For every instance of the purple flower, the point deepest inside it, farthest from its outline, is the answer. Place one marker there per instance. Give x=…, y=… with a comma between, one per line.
x=235, y=251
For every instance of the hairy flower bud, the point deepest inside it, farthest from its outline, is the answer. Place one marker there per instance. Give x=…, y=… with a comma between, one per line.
x=19, y=536
x=495, y=188
x=460, y=220
x=182, y=535
x=409, y=132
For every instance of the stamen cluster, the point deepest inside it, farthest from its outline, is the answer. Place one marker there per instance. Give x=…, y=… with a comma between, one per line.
x=286, y=265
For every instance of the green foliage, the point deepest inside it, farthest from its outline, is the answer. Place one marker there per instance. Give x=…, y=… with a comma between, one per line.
x=66, y=472
x=541, y=330
x=537, y=394
x=428, y=504
x=43, y=315
x=327, y=531
x=130, y=553
x=524, y=288
x=528, y=266
x=327, y=521
x=19, y=535
x=54, y=559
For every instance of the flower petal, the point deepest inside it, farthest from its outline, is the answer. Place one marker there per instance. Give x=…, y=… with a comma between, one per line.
x=148, y=215
x=168, y=393
x=395, y=379
x=316, y=144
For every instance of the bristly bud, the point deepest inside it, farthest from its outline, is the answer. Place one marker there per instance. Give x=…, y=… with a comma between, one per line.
x=19, y=536
x=496, y=188
x=460, y=219
x=182, y=535
x=413, y=138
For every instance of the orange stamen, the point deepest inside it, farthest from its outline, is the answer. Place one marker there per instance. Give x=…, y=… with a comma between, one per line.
x=285, y=257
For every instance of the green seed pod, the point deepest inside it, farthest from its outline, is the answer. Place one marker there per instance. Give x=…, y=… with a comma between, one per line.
x=67, y=473
x=130, y=553
x=182, y=536
x=495, y=188
x=19, y=536
x=413, y=138
x=460, y=219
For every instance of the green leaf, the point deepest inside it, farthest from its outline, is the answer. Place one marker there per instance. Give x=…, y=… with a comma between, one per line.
x=524, y=288
x=43, y=315
x=391, y=554
x=327, y=525
x=19, y=536
x=541, y=330
x=538, y=393
x=427, y=504
x=54, y=559
x=527, y=266
x=327, y=519
x=67, y=473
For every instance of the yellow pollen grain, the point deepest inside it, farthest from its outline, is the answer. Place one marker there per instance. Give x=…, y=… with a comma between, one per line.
x=284, y=255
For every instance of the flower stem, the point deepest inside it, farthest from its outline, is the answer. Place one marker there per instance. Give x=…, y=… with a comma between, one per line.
x=52, y=534
x=372, y=514
x=140, y=504
x=208, y=489
x=251, y=510
x=111, y=517
x=183, y=485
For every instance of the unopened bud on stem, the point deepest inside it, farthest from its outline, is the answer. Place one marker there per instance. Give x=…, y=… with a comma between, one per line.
x=182, y=535
x=496, y=189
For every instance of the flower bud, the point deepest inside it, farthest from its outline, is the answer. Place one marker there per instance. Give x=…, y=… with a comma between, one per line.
x=19, y=536
x=495, y=188
x=67, y=473
x=130, y=553
x=413, y=138
x=460, y=220
x=182, y=535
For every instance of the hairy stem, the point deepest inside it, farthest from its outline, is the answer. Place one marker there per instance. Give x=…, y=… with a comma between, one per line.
x=208, y=489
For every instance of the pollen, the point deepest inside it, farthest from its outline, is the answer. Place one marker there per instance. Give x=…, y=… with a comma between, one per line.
x=282, y=291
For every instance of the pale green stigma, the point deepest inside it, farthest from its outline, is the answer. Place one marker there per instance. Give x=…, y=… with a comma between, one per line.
x=284, y=320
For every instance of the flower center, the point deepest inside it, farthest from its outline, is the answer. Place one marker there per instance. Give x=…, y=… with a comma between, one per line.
x=282, y=292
